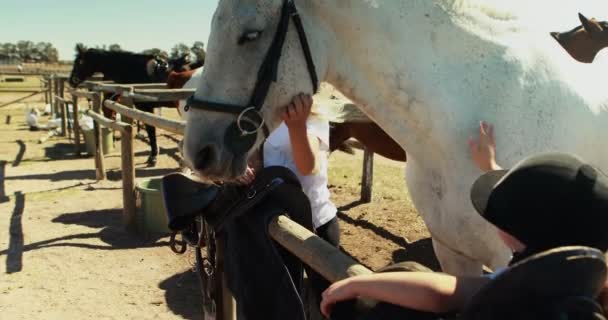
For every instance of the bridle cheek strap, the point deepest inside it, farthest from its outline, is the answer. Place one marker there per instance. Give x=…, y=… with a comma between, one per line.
x=267, y=74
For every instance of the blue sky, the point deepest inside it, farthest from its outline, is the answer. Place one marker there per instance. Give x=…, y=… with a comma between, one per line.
x=134, y=24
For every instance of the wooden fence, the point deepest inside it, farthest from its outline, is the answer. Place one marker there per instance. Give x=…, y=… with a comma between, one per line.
x=53, y=87
x=312, y=250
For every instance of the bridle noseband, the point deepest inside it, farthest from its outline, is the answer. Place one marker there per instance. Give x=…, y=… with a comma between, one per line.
x=249, y=118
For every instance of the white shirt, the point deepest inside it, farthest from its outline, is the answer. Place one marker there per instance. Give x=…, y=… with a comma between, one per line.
x=277, y=152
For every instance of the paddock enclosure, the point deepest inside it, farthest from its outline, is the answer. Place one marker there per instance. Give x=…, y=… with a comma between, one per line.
x=378, y=222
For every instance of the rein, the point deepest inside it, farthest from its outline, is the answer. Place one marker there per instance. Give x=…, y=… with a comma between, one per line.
x=249, y=118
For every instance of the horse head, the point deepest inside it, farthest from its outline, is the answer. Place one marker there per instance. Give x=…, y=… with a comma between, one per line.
x=585, y=41
x=180, y=64
x=255, y=53
x=83, y=66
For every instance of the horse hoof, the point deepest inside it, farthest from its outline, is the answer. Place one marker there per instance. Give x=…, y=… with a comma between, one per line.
x=151, y=161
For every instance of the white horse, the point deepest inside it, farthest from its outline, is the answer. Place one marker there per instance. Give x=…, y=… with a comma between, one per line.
x=427, y=71
x=192, y=83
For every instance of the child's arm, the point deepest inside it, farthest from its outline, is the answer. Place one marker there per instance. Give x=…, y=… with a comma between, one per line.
x=483, y=151
x=603, y=298
x=304, y=147
x=423, y=291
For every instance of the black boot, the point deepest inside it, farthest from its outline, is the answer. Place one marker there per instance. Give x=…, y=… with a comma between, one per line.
x=151, y=162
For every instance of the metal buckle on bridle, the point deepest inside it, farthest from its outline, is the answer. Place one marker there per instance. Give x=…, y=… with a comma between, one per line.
x=242, y=117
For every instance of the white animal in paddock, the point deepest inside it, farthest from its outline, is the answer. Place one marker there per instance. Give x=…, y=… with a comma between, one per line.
x=427, y=71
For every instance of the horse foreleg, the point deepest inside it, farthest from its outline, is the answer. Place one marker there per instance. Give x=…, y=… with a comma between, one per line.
x=462, y=239
x=151, y=130
x=454, y=262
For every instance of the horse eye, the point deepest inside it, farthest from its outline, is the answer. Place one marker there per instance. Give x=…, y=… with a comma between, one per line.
x=249, y=36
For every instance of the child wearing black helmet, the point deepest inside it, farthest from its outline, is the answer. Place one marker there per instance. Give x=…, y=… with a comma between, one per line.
x=545, y=201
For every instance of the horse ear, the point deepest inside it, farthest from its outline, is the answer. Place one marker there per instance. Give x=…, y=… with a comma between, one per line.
x=591, y=26
x=80, y=48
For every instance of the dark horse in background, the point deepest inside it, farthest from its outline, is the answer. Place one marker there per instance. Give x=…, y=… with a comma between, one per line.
x=126, y=67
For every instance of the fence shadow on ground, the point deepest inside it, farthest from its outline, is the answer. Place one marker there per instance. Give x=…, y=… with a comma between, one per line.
x=398, y=240
x=60, y=151
x=3, y=196
x=14, y=253
x=420, y=251
x=112, y=233
x=19, y=156
x=58, y=176
x=183, y=295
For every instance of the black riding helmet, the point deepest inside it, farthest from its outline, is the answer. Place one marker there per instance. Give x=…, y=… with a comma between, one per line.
x=546, y=201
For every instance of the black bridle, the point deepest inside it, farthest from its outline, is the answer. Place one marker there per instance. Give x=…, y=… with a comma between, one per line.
x=241, y=135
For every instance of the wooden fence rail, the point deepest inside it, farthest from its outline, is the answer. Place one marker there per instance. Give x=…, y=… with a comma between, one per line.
x=82, y=94
x=172, y=126
x=22, y=98
x=166, y=95
x=311, y=249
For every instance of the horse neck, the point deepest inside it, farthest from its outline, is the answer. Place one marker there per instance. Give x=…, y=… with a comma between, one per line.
x=123, y=68
x=582, y=50
x=599, y=46
x=380, y=54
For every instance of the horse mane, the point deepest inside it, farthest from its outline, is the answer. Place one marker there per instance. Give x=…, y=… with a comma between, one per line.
x=125, y=54
x=494, y=9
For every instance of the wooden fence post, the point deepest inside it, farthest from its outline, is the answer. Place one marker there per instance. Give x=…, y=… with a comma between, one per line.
x=76, y=124
x=128, y=172
x=99, y=166
x=58, y=107
x=63, y=108
x=367, y=179
x=45, y=81
x=53, y=92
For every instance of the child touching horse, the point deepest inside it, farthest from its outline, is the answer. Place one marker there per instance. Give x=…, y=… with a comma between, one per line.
x=301, y=143
x=546, y=201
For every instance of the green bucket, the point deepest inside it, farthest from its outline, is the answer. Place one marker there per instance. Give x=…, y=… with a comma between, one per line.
x=153, y=218
x=107, y=140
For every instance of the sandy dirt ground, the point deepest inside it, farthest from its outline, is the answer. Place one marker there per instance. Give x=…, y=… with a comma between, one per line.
x=65, y=255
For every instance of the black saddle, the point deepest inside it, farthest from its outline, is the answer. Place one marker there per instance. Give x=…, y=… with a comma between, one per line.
x=559, y=284
x=562, y=283
x=185, y=198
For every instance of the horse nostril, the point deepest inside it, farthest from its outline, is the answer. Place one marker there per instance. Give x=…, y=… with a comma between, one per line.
x=205, y=158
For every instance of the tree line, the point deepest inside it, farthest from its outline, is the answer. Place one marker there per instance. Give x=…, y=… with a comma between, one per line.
x=28, y=51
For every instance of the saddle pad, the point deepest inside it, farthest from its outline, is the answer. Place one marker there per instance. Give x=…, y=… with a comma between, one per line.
x=185, y=198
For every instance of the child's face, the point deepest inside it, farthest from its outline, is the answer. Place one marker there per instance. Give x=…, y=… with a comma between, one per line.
x=511, y=242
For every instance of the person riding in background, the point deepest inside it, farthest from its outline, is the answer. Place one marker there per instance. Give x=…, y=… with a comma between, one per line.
x=545, y=201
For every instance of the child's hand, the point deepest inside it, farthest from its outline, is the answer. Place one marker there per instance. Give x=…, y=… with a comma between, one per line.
x=483, y=151
x=339, y=291
x=297, y=112
x=247, y=177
